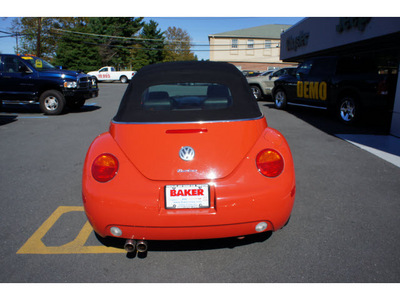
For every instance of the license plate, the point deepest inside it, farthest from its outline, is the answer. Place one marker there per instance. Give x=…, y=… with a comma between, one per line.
x=187, y=196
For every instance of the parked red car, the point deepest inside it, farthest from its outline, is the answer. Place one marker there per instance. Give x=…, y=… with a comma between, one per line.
x=189, y=155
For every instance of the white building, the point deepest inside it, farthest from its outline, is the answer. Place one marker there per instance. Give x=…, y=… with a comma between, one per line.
x=255, y=48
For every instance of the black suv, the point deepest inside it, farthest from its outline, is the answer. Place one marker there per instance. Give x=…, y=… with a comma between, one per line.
x=29, y=78
x=346, y=85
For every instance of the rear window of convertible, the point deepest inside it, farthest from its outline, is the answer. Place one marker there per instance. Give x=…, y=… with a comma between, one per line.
x=187, y=92
x=186, y=96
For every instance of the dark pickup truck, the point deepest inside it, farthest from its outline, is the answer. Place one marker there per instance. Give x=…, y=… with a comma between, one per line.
x=348, y=86
x=30, y=79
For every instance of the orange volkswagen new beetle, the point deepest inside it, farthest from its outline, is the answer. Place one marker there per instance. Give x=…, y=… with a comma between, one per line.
x=189, y=155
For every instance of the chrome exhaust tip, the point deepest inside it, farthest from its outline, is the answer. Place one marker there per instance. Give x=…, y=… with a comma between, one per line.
x=141, y=246
x=130, y=245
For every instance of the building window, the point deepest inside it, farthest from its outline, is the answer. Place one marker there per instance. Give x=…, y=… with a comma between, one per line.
x=234, y=44
x=267, y=45
x=250, y=44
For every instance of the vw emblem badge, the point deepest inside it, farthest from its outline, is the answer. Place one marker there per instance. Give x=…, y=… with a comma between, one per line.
x=186, y=153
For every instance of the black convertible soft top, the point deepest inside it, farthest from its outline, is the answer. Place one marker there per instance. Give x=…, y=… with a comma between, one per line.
x=237, y=105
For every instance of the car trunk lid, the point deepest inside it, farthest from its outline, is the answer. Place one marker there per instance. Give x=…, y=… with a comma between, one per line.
x=219, y=147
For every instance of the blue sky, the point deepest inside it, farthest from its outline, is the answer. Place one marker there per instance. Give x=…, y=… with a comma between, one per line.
x=197, y=27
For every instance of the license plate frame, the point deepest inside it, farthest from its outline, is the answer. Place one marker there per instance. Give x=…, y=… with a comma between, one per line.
x=187, y=196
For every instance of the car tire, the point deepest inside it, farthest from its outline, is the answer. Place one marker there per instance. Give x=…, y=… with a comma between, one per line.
x=256, y=92
x=52, y=102
x=280, y=100
x=124, y=79
x=348, y=110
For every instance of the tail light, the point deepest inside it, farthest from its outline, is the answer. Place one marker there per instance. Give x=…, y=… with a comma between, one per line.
x=105, y=167
x=269, y=163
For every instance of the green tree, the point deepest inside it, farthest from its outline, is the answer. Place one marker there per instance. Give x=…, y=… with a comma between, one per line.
x=150, y=50
x=96, y=42
x=177, y=46
x=35, y=35
x=39, y=35
x=74, y=54
x=114, y=38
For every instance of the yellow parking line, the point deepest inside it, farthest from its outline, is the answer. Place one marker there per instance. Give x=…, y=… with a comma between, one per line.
x=34, y=244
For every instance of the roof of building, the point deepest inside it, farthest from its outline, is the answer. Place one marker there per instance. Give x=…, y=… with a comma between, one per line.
x=272, y=31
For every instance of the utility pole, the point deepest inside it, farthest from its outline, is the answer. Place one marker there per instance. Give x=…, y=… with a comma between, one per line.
x=16, y=40
x=38, y=42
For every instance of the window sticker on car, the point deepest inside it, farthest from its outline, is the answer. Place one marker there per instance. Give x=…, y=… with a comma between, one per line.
x=38, y=64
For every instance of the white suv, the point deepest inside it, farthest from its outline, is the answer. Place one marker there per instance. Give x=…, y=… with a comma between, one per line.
x=263, y=84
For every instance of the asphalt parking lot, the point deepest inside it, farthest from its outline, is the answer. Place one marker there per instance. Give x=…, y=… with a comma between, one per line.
x=344, y=226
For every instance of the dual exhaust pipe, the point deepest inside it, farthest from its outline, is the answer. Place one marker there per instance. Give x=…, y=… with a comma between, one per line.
x=132, y=245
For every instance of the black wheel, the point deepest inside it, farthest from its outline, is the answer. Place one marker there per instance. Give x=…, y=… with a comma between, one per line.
x=280, y=100
x=76, y=103
x=52, y=102
x=348, y=110
x=256, y=92
x=124, y=79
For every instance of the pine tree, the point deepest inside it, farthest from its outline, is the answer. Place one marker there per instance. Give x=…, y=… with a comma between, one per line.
x=151, y=46
x=74, y=54
x=113, y=48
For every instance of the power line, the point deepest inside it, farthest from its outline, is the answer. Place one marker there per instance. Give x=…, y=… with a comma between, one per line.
x=240, y=47
x=167, y=49
x=118, y=37
x=143, y=39
x=108, y=36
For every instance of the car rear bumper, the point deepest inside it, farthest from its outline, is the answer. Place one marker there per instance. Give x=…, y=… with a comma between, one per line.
x=190, y=232
x=230, y=219
x=237, y=205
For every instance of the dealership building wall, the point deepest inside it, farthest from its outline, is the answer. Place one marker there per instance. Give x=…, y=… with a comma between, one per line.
x=377, y=37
